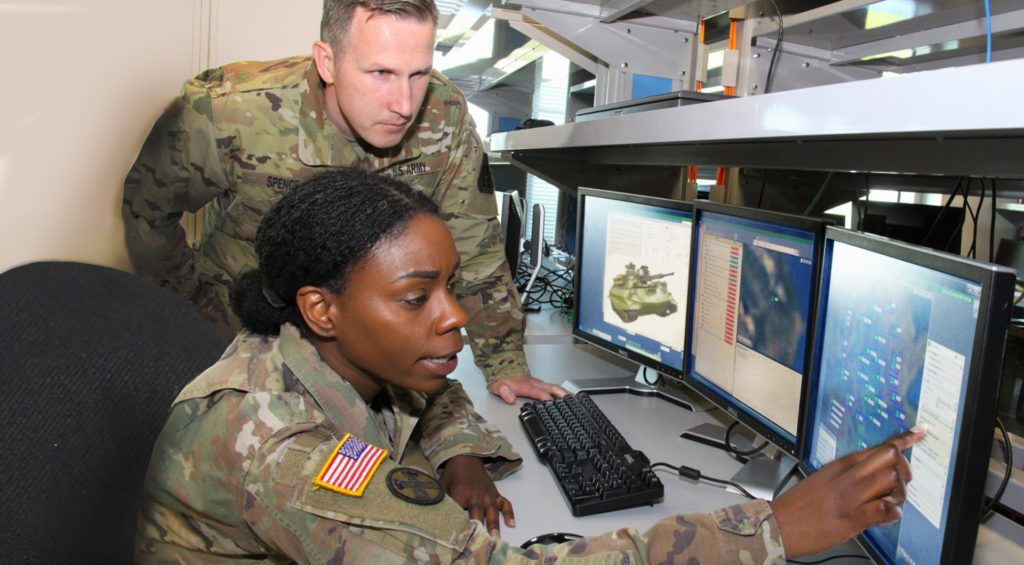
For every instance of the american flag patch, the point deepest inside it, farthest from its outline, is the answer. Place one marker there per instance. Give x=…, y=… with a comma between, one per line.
x=350, y=467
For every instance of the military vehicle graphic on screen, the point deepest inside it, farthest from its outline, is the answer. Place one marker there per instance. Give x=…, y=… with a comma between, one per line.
x=637, y=292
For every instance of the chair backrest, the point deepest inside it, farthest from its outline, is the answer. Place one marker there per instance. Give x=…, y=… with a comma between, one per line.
x=90, y=360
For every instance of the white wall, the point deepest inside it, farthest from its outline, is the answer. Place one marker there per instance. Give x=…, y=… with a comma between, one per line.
x=257, y=30
x=84, y=80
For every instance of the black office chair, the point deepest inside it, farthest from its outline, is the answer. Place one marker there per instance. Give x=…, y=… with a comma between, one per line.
x=90, y=360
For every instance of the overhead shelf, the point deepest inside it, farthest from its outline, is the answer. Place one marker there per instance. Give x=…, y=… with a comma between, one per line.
x=954, y=121
x=583, y=87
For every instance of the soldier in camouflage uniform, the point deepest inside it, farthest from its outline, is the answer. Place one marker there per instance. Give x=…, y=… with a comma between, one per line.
x=242, y=135
x=351, y=331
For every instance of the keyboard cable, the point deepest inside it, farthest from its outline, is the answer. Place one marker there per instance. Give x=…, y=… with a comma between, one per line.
x=696, y=475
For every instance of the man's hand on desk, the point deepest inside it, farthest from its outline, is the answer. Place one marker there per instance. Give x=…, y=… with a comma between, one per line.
x=509, y=388
x=841, y=499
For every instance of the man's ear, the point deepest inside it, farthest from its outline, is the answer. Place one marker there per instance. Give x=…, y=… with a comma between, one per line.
x=314, y=305
x=323, y=56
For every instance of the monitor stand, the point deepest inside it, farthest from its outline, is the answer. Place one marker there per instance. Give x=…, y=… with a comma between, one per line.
x=638, y=385
x=760, y=475
x=714, y=435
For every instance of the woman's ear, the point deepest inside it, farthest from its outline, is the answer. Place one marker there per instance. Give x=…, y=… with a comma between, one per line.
x=315, y=308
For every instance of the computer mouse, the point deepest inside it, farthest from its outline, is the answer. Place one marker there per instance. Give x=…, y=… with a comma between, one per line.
x=553, y=537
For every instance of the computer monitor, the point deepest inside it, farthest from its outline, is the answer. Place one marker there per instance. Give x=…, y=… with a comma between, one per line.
x=536, y=247
x=751, y=301
x=908, y=335
x=511, y=216
x=937, y=227
x=631, y=279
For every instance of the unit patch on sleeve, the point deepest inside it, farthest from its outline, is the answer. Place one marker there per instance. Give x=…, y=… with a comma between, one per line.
x=349, y=468
x=415, y=486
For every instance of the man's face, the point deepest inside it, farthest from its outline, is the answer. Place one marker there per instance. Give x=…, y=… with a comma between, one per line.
x=377, y=76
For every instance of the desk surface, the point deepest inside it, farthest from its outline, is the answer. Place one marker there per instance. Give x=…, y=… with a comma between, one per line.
x=651, y=425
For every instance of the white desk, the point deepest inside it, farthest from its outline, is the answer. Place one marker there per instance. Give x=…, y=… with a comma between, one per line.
x=651, y=425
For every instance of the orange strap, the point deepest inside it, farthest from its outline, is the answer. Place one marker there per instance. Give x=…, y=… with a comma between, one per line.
x=699, y=85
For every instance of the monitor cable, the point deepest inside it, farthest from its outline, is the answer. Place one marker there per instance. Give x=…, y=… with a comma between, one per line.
x=973, y=252
x=945, y=208
x=988, y=511
x=729, y=448
x=973, y=216
x=964, y=210
x=817, y=196
x=864, y=202
x=775, y=52
x=696, y=475
x=830, y=558
x=860, y=206
x=992, y=224
x=533, y=277
x=643, y=375
x=764, y=180
x=552, y=288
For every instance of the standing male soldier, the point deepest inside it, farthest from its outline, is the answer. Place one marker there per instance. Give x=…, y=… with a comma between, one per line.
x=241, y=135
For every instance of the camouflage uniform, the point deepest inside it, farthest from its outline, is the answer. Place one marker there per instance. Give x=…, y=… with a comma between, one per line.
x=241, y=135
x=231, y=478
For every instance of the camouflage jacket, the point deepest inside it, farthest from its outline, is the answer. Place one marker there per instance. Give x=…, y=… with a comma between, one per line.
x=231, y=479
x=241, y=135
x=217, y=479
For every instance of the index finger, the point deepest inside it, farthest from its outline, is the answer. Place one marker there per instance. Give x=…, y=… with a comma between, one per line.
x=899, y=442
x=909, y=438
x=556, y=390
x=889, y=453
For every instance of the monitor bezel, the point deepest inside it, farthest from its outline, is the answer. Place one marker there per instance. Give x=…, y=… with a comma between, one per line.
x=971, y=453
x=511, y=230
x=806, y=223
x=582, y=194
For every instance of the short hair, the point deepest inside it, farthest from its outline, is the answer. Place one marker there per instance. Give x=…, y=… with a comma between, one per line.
x=338, y=14
x=316, y=235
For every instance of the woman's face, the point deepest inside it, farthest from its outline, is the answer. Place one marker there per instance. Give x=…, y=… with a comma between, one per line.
x=397, y=321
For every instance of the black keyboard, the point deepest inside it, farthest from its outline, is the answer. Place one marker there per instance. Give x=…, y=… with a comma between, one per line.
x=591, y=461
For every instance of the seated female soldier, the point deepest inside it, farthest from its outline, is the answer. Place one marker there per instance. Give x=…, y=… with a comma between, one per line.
x=329, y=432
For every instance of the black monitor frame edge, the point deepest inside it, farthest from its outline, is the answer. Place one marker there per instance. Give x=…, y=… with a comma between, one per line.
x=584, y=192
x=817, y=225
x=972, y=457
x=512, y=221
